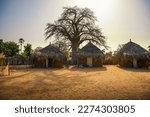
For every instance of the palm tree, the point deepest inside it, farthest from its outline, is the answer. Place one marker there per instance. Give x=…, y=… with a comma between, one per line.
x=21, y=41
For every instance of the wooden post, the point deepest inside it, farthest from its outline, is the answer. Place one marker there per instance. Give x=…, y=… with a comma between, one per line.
x=8, y=69
x=47, y=63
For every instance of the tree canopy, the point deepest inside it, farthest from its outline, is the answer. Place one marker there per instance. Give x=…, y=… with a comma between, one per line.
x=76, y=25
x=1, y=46
x=28, y=50
x=9, y=48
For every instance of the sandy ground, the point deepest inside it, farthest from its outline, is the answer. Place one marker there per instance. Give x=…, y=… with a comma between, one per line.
x=109, y=82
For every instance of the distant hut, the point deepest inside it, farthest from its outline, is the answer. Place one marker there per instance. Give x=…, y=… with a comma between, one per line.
x=49, y=56
x=16, y=60
x=133, y=55
x=91, y=56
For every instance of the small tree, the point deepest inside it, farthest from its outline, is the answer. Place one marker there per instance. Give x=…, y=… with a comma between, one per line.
x=28, y=50
x=117, y=52
x=1, y=46
x=10, y=49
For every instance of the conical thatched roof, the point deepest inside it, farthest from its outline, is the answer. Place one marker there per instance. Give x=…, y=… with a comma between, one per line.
x=18, y=56
x=50, y=51
x=90, y=50
x=134, y=50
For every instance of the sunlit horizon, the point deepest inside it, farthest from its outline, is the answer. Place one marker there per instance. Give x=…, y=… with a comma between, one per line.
x=120, y=20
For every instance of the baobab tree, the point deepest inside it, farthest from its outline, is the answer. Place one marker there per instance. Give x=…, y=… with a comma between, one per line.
x=21, y=41
x=76, y=25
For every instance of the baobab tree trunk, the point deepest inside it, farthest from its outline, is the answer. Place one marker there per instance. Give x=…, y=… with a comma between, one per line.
x=74, y=52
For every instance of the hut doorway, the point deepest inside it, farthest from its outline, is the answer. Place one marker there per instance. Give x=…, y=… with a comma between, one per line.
x=89, y=62
x=50, y=61
x=135, y=65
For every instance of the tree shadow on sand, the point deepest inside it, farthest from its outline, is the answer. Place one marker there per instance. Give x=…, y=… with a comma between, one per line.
x=49, y=68
x=87, y=69
x=134, y=69
x=40, y=87
x=13, y=77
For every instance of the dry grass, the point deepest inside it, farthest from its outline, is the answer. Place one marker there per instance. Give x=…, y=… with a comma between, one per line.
x=109, y=82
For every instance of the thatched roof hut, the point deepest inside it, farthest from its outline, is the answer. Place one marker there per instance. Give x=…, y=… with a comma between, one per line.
x=49, y=56
x=90, y=55
x=16, y=60
x=133, y=55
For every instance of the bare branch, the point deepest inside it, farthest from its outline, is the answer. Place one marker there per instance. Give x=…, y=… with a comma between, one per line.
x=76, y=25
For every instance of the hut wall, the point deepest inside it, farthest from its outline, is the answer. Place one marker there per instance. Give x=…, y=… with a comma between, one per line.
x=16, y=60
x=39, y=63
x=126, y=62
x=82, y=61
x=97, y=62
x=148, y=62
x=42, y=62
x=57, y=63
x=142, y=63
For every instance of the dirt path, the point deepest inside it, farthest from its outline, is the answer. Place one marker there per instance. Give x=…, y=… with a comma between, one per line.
x=109, y=82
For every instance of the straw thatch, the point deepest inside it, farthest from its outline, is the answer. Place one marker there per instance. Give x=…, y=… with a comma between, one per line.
x=39, y=59
x=4, y=70
x=133, y=55
x=16, y=60
x=49, y=56
x=90, y=55
x=2, y=59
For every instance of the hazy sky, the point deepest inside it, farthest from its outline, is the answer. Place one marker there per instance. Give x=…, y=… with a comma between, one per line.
x=120, y=20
